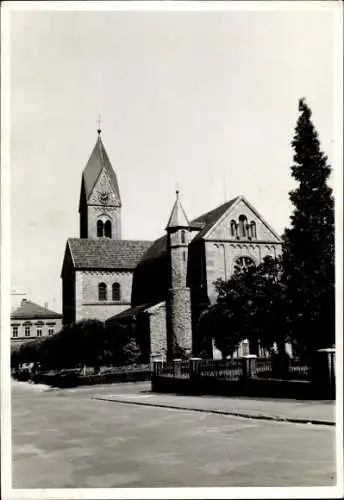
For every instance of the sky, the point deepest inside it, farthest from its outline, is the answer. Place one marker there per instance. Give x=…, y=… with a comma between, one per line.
x=203, y=101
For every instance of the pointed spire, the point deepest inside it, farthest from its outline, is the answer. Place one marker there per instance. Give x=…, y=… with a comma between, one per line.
x=98, y=161
x=99, y=121
x=178, y=216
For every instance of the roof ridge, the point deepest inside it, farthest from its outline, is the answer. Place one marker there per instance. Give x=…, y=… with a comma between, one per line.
x=226, y=203
x=22, y=311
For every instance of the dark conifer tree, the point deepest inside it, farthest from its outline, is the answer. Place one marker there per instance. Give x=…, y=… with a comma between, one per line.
x=309, y=243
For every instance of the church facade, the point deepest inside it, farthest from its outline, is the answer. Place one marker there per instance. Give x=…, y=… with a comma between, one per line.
x=159, y=288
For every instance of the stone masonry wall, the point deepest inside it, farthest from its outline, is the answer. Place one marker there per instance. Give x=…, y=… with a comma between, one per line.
x=158, y=331
x=87, y=304
x=221, y=257
x=113, y=213
x=179, y=315
x=221, y=231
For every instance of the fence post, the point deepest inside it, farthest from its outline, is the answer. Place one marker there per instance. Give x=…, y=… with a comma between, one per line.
x=249, y=366
x=157, y=367
x=328, y=357
x=177, y=367
x=194, y=366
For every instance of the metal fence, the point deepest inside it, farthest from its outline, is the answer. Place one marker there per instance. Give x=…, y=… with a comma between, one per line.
x=298, y=370
x=234, y=369
x=229, y=369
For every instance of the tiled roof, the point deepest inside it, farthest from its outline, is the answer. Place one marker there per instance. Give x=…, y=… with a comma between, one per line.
x=203, y=222
x=156, y=250
x=106, y=253
x=208, y=219
x=97, y=161
x=128, y=313
x=30, y=310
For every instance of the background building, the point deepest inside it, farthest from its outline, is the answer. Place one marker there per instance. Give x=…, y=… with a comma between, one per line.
x=31, y=321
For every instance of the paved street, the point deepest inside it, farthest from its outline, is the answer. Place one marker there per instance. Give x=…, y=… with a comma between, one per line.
x=67, y=438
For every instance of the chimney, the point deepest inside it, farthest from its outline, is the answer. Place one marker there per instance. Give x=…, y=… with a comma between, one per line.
x=23, y=301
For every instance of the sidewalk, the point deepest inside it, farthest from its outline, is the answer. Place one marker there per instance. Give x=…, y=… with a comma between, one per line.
x=314, y=412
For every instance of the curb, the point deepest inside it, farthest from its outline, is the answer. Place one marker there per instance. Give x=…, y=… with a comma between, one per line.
x=275, y=418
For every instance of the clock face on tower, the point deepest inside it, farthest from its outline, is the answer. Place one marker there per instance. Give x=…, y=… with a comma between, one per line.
x=103, y=197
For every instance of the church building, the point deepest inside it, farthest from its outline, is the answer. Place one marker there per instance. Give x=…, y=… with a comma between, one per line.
x=159, y=288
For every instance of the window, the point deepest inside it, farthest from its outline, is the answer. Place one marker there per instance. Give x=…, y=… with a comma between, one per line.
x=39, y=332
x=184, y=256
x=253, y=230
x=100, y=228
x=102, y=292
x=51, y=331
x=234, y=229
x=107, y=229
x=183, y=236
x=116, y=291
x=27, y=331
x=14, y=331
x=242, y=226
x=243, y=263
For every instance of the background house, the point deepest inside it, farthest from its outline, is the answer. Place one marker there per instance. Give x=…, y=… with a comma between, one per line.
x=31, y=321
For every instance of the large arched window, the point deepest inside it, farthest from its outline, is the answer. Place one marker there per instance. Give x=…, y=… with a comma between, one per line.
x=243, y=263
x=102, y=291
x=100, y=228
x=116, y=292
x=234, y=232
x=242, y=226
x=107, y=229
x=253, y=230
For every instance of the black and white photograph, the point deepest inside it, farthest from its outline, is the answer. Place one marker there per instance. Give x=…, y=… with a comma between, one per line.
x=171, y=249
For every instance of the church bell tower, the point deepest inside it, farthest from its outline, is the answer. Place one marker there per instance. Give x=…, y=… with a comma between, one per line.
x=100, y=202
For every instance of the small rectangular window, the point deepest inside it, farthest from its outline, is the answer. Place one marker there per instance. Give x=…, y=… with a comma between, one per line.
x=51, y=331
x=15, y=331
x=39, y=332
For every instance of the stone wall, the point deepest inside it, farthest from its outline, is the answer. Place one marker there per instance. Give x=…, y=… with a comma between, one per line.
x=179, y=318
x=158, y=331
x=96, y=212
x=221, y=230
x=87, y=304
x=221, y=257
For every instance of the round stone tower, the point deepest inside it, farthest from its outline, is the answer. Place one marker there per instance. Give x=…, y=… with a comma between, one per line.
x=178, y=310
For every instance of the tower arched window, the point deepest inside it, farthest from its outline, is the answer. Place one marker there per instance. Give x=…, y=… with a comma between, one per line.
x=100, y=228
x=116, y=292
x=183, y=236
x=242, y=226
x=102, y=291
x=253, y=228
x=233, y=229
x=107, y=229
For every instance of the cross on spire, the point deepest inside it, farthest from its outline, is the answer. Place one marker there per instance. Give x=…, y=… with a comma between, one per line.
x=99, y=121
